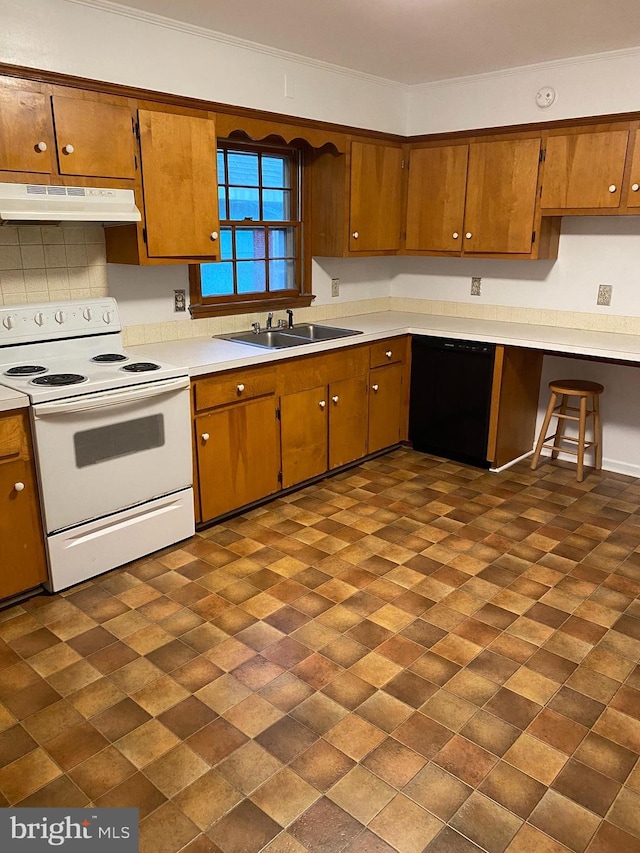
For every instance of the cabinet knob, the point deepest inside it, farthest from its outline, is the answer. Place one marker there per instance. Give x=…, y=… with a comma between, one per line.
x=68, y=149
x=635, y=187
x=214, y=235
x=335, y=399
x=240, y=388
x=205, y=436
x=468, y=235
x=455, y=235
x=375, y=388
x=19, y=487
x=388, y=353
x=322, y=403
x=612, y=188
x=41, y=146
x=355, y=235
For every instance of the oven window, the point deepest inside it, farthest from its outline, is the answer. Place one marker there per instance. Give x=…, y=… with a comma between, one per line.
x=119, y=439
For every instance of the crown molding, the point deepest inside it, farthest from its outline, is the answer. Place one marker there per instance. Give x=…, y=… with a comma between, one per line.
x=222, y=38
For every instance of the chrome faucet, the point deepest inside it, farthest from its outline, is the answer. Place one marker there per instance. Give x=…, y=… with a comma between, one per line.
x=269, y=319
x=290, y=314
x=256, y=328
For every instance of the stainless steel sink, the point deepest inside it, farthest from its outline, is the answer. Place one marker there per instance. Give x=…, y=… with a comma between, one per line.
x=298, y=336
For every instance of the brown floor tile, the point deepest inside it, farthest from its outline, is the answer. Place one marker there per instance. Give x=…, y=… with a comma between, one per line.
x=120, y=719
x=345, y=651
x=576, y=706
x=625, y=812
x=535, y=758
x=492, y=733
x=410, y=688
x=207, y=799
x=586, y=786
x=249, y=767
x=349, y=690
x=450, y=841
x=61, y=793
x=322, y=765
x=530, y=839
x=75, y=745
x=438, y=791
x=102, y=772
x=316, y=670
x=167, y=830
x=513, y=789
x=394, y=762
x=486, y=823
x=286, y=739
x=26, y=775
x=146, y=743
x=311, y=829
x=366, y=842
x=185, y=718
x=14, y=743
x=285, y=797
x=607, y=757
x=384, y=711
x=355, y=737
x=286, y=691
x=564, y=820
x=423, y=735
x=361, y=794
x=619, y=728
x=319, y=713
x=31, y=699
x=405, y=825
x=466, y=760
x=558, y=731
x=611, y=839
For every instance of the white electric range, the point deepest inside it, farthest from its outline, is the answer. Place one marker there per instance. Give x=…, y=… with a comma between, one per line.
x=112, y=436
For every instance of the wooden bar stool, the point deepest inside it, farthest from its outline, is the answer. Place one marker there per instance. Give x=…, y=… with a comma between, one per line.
x=587, y=393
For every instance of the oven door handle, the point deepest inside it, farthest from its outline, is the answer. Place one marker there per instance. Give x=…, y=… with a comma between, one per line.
x=111, y=398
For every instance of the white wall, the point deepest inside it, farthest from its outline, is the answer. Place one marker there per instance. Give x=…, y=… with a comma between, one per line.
x=95, y=39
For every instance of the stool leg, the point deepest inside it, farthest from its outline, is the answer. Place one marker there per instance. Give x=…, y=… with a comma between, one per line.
x=564, y=400
x=597, y=432
x=543, y=430
x=581, y=432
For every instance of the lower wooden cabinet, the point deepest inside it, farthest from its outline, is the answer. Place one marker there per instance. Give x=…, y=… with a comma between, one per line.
x=22, y=557
x=260, y=429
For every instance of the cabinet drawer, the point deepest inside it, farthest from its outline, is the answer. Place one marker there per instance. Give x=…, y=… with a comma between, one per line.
x=12, y=438
x=391, y=351
x=234, y=387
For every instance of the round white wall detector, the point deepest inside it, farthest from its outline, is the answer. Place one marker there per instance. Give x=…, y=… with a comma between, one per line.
x=545, y=96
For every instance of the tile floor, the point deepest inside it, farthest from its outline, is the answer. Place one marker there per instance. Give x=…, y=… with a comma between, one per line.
x=411, y=656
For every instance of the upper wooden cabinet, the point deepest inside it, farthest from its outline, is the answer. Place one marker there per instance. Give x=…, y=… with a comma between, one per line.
x=355, y=205
x=179, y=190
x=58, y=132
x=477, y=199
x=584, y=169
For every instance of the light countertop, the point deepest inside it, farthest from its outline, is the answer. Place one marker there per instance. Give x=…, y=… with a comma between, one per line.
x=10, y=399
x=210, y=355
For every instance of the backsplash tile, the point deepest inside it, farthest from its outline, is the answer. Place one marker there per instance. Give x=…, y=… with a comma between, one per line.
x=46, y=263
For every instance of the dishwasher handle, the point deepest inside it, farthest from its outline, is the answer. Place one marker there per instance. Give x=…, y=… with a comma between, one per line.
x=106, y=399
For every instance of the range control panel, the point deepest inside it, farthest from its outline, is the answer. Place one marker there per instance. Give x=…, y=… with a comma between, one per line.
x=49, y=321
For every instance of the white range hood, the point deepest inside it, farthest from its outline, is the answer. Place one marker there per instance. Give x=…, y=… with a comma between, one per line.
x=23, y=204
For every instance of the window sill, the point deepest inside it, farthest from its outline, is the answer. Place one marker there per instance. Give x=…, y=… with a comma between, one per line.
x=250, y=306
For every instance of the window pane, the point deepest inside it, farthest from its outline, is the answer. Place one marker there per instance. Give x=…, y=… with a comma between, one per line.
x=251, y=276
x=243, y=169
x=217, y=279
x=282, y=275
x=276, y=204
x=226, y=244
x=243, y=203
x=282, y=243
x=222, y=176
x=222, y=203
x=275, y=171
x=250, y=243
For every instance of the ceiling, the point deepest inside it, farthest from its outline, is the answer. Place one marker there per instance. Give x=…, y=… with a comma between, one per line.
x=418, y=41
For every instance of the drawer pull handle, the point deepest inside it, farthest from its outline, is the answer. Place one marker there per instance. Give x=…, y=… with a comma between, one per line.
x=355, y=235
x=19, y=487
x=388, y=353
x=68, y=149
x=205, y=436
x=468, y=235
x=612, y=188
x=41, y=146
x=455, y=235
x=240, y=388
x=214, y=235
x=375, y=388
x=322, y=403
x=635, y=187
x=335, y=399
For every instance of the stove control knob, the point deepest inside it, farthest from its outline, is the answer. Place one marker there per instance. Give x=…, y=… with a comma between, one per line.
x=60, y=317
x=107, y=317
x=39, y=319
x=86, y=313
x=7, y=322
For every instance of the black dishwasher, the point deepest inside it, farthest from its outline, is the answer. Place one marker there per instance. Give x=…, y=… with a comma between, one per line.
x=451, y=398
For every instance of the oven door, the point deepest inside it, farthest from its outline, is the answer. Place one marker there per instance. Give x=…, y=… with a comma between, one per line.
x=102, y=452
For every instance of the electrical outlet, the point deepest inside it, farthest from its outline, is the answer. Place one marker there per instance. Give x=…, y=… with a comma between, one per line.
x=335, y=287
x=179, y=300
x=604, y=294
x=476, y=285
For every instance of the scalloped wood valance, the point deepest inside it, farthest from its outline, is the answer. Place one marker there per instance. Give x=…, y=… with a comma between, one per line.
x=259, y=129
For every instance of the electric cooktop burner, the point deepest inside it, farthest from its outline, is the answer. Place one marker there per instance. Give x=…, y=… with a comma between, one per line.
x=25, y=370
x=141, y=366
x=106, y=357
x=59, y=379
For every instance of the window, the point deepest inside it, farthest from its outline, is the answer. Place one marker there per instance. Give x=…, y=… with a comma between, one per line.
x=259, y=195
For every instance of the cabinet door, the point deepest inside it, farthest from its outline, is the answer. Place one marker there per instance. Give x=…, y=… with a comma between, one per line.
x=22, y=560
x=435, y=200
x=94, y=138
x=584, y=170
x=633, y=194
x=239, y=461
x=303, y=431
x=501, y=196
x=347, y=420
x=179, y=178
x=387, y=412
x=25, y=124
x=376, y=197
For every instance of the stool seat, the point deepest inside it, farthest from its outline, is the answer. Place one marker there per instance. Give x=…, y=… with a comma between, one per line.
x=587, y=393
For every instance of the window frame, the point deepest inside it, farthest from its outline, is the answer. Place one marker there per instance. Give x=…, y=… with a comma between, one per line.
x=243, y=303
